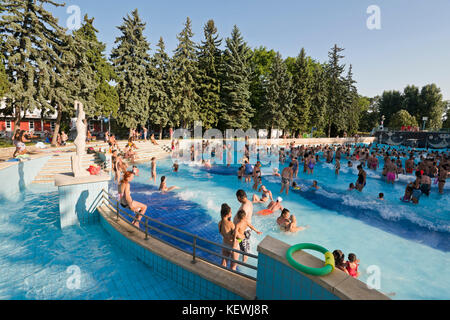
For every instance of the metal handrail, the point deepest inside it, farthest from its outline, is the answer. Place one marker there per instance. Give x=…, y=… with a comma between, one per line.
x=116, y=207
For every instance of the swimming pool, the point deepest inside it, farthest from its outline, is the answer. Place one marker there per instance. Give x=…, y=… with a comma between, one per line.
x=410, y=244
x=39, y=261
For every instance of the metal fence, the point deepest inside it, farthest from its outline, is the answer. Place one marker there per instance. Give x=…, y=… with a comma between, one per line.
x=195, y=244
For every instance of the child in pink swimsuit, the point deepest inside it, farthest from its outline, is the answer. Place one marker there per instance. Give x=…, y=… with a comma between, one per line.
x=352, y=265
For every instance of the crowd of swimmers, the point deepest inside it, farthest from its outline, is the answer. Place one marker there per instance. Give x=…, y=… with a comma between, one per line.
x=236, y=231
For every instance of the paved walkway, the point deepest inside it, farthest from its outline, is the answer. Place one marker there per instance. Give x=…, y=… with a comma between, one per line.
x=60, y=162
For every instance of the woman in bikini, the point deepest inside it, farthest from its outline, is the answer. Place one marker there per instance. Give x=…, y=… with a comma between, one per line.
x=226, y=229
x=127, y=202
x=266, y=195
x=163, y=187
x=19, y=141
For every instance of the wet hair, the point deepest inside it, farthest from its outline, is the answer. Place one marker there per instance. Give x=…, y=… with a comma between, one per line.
x=351, y=186
x=339, y=258
x=225, y=210
x=285, y=211
x=241, y=214
x=163, y=178
x=241, y=194
x=381, y=195
x=126, y=176
x=352, y=257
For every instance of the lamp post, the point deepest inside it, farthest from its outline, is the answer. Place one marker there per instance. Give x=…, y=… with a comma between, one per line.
x=425, y=119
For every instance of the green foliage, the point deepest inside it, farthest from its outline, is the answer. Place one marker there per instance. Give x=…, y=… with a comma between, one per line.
x=303, y=81
x=446, y=123
x=4, y=83
x=279, y=96
x=260, y=64
x=335, y=111
x=185, y=66
x=30, y=43
x=131, y=61
x=209, y=64
x=161, y=105
x=402, y=118
x=432, y=106
x=235, y=93
x=105, y=95
x=427, y=102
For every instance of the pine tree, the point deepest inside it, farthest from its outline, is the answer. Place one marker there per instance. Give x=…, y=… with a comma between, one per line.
x=210, y=60
x=161, y=106
x=302, y=86
x=106, y=96
x=30, y=36
x=351, y=104
x=131, y=60
x=260, y=65
x=74, y=78
x=236, y=109
x=279, y=96
x=335, y=113
x=185, y=70
x=319, y=98
x=4, y=84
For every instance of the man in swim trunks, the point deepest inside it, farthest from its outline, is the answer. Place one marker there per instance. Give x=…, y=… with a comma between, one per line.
x=242, y=232
x=247, y=207
x=286, y=178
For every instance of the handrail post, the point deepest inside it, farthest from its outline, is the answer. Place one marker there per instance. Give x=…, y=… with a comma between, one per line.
x=117, y=211
x=193, y=250
x=146, y=228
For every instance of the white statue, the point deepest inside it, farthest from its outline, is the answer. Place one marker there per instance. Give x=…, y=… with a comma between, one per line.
x=80, y=142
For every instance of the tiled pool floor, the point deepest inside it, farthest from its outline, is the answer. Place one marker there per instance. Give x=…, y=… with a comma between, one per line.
x=38, y=260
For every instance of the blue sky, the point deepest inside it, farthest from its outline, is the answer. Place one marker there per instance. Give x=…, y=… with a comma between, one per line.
x=412, y=46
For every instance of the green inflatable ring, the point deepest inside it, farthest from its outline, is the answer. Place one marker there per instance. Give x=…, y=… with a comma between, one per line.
x=329, y=259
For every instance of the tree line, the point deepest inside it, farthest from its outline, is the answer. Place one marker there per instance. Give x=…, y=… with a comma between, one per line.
x=222, y=82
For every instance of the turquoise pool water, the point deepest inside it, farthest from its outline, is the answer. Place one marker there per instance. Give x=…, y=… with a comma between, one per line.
x=38, y=260
x=410, y=244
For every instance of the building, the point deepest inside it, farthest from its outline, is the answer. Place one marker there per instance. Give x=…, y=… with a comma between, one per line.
x=33, y=122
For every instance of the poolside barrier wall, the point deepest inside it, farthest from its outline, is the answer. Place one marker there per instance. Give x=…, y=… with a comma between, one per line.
x=16, y=176
x=204, y=279
x=79, y=198
x=278, y=280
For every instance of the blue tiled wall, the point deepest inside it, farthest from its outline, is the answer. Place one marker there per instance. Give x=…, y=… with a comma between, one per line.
x=78, y=203
x=15, y=178
x=188, y=280
x=277, y=281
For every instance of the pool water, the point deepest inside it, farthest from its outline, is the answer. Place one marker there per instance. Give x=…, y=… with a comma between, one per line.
x=410, y=244
x=40, y=261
